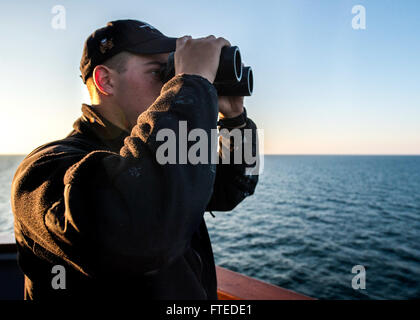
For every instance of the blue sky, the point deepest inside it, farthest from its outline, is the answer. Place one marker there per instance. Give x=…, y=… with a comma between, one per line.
x=321, y=87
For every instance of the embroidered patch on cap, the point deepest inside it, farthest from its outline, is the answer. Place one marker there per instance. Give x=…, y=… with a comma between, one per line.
x=146, y=25
x=106, y=45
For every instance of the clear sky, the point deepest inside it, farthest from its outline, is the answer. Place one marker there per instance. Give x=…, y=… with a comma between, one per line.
x=321, y=87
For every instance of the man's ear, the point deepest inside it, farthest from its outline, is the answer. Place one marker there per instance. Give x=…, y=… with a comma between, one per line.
x=102, y=77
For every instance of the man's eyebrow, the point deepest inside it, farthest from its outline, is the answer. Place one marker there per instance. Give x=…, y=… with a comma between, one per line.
x=154, y=62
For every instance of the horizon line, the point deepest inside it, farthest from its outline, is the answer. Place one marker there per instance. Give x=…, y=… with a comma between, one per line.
x=342, y=154
x=293, y=154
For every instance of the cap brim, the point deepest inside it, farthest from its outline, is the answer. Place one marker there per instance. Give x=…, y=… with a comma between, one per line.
x=159, y=45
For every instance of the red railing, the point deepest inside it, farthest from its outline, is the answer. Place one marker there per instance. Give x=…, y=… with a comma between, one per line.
x=231, y=285
x=235, y=286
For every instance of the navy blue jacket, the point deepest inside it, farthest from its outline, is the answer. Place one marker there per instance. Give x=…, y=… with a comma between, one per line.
x=124, y=226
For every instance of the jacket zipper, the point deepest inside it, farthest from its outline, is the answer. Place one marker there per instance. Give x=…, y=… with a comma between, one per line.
x=201, y=271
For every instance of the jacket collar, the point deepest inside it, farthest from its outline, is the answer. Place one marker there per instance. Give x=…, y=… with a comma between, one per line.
x=94, y=126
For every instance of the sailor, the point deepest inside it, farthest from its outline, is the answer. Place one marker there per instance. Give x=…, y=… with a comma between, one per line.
x=98, y=203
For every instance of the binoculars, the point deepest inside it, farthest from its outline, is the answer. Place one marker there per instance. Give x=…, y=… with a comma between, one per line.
x=232, y=78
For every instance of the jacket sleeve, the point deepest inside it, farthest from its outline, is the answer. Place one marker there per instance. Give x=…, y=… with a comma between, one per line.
x=233, y=179
x=104, y=212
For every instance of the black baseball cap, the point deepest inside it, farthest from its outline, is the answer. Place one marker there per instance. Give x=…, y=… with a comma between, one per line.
x=122, y=35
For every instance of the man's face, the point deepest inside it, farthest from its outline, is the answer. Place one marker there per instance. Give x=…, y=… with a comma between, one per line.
x=139, y=86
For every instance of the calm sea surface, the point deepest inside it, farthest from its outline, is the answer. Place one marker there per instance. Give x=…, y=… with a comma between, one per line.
x=311, y=219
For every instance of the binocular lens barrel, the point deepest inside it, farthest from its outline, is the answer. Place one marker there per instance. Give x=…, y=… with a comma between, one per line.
x=232, y=78
x=230, y=65
x=241, y=88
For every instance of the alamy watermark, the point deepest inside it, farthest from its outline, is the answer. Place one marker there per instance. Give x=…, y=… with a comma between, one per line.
x=58, y=22
x=236, y=146
x=359, y=20
x=359, y=280
x=59, y=280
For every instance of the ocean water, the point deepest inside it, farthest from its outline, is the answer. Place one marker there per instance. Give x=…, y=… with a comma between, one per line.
x=311, y=220
x=8, y=166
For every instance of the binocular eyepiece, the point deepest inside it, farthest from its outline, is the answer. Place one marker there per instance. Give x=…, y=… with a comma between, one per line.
x=232, y=78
